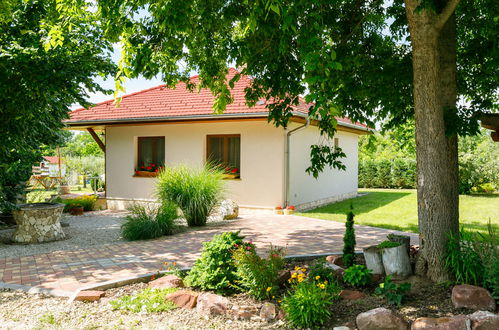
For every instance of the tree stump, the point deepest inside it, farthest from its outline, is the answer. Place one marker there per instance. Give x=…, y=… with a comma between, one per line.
x=396, y=261
x=402, y=239
x=374, y=261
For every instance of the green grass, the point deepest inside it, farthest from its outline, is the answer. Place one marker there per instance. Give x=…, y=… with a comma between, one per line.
x=40, y=194
x=397, y=209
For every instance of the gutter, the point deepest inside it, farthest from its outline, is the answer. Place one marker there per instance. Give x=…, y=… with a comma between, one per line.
x=286, y=156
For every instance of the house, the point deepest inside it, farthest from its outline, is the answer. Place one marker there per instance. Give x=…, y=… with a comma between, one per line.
x=49, y=167
x=266, y=165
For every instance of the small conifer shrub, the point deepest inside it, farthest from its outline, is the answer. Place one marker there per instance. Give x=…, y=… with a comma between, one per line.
x=349, y=240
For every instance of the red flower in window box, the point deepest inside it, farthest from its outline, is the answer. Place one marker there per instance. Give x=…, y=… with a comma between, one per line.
x=142, y=167
x=290, y=207
x=148, y=168
x=235, y=170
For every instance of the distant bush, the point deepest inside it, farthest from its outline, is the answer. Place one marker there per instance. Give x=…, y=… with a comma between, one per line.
x=383, y=173
x=215, y=269
x=195, y=191
x=86, y=201
x=146, y=222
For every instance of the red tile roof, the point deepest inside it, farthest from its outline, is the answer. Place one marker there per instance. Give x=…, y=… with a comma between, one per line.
x=52, y=159
x=164, y=103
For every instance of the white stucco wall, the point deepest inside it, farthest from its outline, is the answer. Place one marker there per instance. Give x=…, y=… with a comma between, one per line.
x=332, y=184
x=262, y=160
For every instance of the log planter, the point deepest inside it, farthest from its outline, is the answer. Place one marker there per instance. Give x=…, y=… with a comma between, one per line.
x=38, y=222
x=396, y=261
x=402, y=239
x=374, y=261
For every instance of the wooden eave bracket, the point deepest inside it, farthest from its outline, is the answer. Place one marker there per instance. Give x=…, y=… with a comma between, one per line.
x=97, y=139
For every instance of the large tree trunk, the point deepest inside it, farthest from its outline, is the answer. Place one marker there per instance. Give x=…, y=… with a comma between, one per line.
x=434, y=78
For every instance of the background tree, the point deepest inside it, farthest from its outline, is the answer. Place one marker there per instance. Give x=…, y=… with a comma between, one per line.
x=363, y=59
x=38, y=83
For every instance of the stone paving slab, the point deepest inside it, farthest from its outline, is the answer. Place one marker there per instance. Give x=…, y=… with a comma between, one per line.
x=71, y=270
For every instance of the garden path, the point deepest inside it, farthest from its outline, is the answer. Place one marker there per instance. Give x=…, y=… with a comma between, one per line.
x=66, y=271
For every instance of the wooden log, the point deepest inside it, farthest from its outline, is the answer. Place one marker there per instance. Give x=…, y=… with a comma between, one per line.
x=374, y=262
x=396, y=261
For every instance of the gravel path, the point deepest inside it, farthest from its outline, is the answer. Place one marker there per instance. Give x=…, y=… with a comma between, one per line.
x=19, y=310
x=90, y=229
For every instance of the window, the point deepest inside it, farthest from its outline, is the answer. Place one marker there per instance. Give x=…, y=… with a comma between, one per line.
x=150, y=155
x=225, y=150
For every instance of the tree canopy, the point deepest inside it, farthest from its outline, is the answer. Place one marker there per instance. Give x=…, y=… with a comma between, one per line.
x=38, y=84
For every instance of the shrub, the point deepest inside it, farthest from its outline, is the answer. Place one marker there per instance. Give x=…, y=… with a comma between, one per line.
x=257, y=275
x=393, y=293
x=320, y=271
x=349, y=240
x=473, y=258
x=87, y=201
x=388, y=244
x=147, y=300
x=307, y=305
x=195, y=191
x=146, y=222
x=357, y=276
x=215, y=269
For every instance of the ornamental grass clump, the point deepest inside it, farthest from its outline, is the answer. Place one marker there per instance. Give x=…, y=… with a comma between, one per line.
x=196, y=191
x=258, y=276
x=146, y=222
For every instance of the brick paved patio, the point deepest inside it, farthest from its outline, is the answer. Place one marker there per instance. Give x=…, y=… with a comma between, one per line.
x=70, y=270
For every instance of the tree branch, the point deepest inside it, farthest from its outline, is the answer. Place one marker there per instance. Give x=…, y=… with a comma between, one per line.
x=446, y=13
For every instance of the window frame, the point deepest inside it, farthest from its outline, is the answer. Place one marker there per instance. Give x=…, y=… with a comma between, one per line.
x=137, y=172
x=225, y=150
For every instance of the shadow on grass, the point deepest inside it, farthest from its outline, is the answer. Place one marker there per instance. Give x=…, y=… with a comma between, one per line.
x=362, y=204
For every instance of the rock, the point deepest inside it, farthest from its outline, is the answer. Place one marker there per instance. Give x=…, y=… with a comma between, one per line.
x=212, y=304
x=380, y=319
x=351, y=294
x=335, y=259
x=229, y=209
x=457, y=322
x=281, y=315
x=484, y=321
x=89, y=295
x=472, y=297
x=165, y=282
x=341, y=328
x=244, y=312
x=268, y=312
x=183, y=299
x=283, y=276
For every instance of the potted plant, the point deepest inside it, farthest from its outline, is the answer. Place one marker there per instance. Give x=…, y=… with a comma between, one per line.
x=290, y=209
x=76, y=209
x=278, y=210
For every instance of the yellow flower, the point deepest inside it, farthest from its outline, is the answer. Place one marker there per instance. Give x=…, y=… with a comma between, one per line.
x=269, y=288
x=322, y=286
x=294, y=275
x=325, y=282
x=304, y=270
x=317, y=277
x=273, y=297
x=174, y=263
x=300, y=279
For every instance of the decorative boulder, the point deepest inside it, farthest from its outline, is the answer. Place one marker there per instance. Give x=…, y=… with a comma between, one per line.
x=458, y=322
x=335, y=259
x=212, y=304
x=268, y=312
x=484, y=321
x=472, y=297
x=229, y=210
x=380, y=319
x=183, y=299
x=244, y=312
x=165, y=282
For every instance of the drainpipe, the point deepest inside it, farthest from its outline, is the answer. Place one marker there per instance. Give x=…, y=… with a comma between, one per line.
x=286, y=156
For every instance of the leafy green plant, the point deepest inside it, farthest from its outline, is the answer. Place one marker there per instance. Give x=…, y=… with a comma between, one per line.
x=147, y=300
x=195, y=191
x=473, y=258
x=307, y=304
x=349, y=240
x=320, y=271
x=215, y=269
x=146, y=222
x=357, y=276
x=388, y=244
x=87, y=201
x=394, y=293
x=258, y=276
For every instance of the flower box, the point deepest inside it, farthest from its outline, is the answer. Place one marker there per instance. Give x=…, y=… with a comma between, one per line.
x=288, y=211
x=146, y=174
x=278, y=210
x=230, y=176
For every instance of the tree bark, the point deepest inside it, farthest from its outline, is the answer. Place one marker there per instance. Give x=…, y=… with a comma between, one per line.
x=434, y=80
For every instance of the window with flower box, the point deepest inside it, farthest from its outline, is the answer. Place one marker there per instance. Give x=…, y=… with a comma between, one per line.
x=150, y=155
x=225, y=151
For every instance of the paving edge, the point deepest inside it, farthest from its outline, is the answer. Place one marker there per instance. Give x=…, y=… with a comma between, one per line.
x=131, y=280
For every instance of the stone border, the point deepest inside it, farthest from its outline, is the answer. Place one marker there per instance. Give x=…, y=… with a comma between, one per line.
x=130, y=280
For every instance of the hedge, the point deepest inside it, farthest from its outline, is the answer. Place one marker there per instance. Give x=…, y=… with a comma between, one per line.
x=383, y=173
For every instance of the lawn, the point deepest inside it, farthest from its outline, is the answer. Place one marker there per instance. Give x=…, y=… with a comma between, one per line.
x=397, y=209
x=39, y=195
